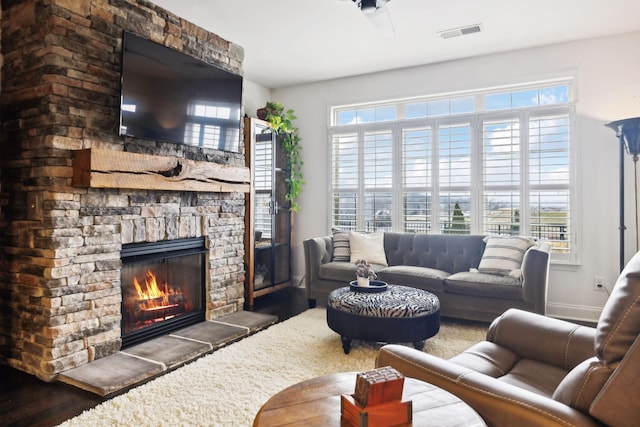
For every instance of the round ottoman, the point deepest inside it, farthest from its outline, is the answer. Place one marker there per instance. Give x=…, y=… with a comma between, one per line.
x=399, y=314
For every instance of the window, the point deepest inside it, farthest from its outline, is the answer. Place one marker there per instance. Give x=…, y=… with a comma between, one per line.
x=454, y=187
x=487, y=162
x=372, y=114
x=263, y=183
x=212, y=126
x=416, y=179
x=550, y=180
x=345, y=180
x=377, y=176
x=501, y=176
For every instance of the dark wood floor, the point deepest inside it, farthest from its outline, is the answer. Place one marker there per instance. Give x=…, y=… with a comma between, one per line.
x=27, y=401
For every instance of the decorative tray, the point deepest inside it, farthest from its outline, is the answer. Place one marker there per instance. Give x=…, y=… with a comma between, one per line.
x=374, y=286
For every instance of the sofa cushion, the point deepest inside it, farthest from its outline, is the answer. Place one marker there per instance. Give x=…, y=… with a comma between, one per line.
x=484, y=285
x=580, y=386
x=451, y=253
x=502, y=255
x=338, y=270
x=487, y=358
x=367, y=246
x=535, y=376
x=428, y=279
x=341, y=248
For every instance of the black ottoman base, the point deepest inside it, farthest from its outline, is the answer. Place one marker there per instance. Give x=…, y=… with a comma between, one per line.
x=383, y=329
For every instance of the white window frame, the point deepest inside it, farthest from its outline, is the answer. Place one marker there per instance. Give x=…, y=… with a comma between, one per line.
x=475, y=121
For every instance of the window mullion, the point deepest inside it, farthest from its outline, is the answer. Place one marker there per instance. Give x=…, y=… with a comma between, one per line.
x=396, y=181
x=525, y=181
x=361, y=187
x=435, y=177
x=476, y=176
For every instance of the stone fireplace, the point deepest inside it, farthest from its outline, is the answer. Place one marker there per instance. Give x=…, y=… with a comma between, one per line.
x=63, y=226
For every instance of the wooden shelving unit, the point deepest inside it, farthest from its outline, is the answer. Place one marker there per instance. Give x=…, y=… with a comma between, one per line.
x=267, y=215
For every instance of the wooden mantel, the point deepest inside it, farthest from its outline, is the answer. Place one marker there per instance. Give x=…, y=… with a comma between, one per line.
x=99, y=168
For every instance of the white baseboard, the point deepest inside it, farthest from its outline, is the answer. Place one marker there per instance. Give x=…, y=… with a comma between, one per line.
x=573, y=312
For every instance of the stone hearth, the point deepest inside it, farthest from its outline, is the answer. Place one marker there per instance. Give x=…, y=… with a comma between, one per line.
x=60, y=237
x=140, y=363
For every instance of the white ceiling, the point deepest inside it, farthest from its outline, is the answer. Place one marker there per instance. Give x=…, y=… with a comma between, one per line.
x=290, y=42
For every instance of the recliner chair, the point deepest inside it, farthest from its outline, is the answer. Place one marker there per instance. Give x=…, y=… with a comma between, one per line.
x=534, y=370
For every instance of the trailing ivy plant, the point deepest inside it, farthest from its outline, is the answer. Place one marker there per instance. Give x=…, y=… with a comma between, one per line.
x=281, y=121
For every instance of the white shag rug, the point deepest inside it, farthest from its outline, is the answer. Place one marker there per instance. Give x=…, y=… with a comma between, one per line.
x=228, y=387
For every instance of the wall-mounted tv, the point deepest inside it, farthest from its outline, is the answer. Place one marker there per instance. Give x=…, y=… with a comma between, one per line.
x=170, y=96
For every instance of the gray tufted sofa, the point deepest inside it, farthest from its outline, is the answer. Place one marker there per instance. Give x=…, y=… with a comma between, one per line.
x=441, y=264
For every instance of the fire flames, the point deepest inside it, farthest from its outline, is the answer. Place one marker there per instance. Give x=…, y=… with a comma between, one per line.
x=154, y=297
x=150, y=300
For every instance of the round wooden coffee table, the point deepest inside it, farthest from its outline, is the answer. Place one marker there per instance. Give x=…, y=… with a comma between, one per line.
x=316, y=402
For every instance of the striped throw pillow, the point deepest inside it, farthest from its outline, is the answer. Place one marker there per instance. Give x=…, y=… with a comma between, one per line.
x=341, y=247
x=502, y=255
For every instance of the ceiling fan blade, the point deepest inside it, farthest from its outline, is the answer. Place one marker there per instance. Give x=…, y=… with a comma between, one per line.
x=378, y=14
x=381, y=19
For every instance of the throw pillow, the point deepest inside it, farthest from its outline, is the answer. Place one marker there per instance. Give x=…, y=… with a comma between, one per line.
x=341, y=248
x=503, y=255
x=369, y=246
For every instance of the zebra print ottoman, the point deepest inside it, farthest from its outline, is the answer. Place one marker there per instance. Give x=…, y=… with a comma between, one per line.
x=400, y=314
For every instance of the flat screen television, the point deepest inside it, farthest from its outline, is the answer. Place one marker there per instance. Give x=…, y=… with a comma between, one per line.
x=170, y=96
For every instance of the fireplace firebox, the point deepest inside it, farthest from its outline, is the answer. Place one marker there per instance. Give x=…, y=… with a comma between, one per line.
x=163, y=287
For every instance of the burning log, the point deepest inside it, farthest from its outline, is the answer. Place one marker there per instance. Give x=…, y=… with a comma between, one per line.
x=159, y=313
x=156, y=303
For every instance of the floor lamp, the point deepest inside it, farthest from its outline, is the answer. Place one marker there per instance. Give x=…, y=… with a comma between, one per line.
x=628, y=132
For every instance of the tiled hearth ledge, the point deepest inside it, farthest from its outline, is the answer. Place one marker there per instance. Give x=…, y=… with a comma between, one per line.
x=140, y=363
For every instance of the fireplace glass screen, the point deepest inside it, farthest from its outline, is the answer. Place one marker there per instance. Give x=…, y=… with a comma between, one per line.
x=162, y=288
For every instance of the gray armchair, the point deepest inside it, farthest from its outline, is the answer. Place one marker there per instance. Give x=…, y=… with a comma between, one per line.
x=534, y=370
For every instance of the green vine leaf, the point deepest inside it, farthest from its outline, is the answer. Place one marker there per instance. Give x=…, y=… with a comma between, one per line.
x=281, y=121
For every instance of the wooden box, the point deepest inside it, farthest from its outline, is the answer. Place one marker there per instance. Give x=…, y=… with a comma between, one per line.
x=382, y=415
x=378, y=386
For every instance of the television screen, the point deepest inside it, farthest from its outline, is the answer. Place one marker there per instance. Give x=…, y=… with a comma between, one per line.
x=170, y=96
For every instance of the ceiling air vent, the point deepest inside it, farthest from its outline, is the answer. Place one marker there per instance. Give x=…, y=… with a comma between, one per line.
x=461, y=31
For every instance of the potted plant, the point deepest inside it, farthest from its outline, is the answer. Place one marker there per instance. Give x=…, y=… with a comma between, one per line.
x=281, y=121
x=364, y=272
